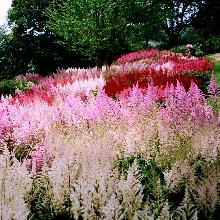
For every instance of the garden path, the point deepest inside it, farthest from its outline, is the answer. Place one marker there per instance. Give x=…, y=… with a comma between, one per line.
x=216, y=56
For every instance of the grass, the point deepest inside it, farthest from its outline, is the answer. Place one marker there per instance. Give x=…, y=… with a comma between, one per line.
x=217, y=70
x=216, y=66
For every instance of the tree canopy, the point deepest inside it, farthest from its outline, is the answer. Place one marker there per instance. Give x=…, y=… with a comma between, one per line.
x=32, y=45
x=48, y=34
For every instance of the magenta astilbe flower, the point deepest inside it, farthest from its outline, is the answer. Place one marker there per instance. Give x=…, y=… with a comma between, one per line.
x=213, y=88
x=181, y=107
x=100, y=108
x=40, y=158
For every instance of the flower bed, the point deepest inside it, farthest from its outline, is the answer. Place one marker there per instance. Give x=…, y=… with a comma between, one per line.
x=157, y=67
x=69, y=150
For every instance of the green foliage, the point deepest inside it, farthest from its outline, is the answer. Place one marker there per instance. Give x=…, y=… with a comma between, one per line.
x=8, y=86
x=31, y=47
x=199, y=52
x=40, y=198
x=187, y=210
x=103, y=29
x=214, y=102
x=143, y=18
x=178, y=16
x=182, y=49
x=217, y=70
x=216, y=66
x=93, y=27
x=179, y=49
x=212, y=44
x=152, y=178
x=205, y=78
x=208, y=24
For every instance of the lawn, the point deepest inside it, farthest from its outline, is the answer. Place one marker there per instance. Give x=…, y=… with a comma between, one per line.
x=216, y=59
x=217, y=71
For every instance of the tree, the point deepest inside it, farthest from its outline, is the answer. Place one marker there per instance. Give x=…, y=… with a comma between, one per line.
x=102, y=28
x=144, y=19
x=6, y=60
x=207, y=26
x=178, y=16
x=93, y=27
x=207, y=19
x=33, y=46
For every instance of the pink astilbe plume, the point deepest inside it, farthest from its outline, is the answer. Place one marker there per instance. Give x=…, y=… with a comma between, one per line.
x=213, y=88
x=182, y=106
x=40, y=158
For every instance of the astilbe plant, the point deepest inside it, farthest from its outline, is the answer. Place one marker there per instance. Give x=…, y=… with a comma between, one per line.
x=74, y=133
x=213, y=88
x=214, y=96
x=15, y=181
x=157, y=67
x=143, y=54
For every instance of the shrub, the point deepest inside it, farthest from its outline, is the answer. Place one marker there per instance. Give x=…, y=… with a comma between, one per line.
x=9, y=86
x=212, y=45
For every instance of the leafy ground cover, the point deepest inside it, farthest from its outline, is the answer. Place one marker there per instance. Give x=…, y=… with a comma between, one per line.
x=71, y=150
x=9, y=86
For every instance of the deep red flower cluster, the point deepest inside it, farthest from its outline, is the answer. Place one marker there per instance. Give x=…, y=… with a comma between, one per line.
x=138, y=55
x=162, y=68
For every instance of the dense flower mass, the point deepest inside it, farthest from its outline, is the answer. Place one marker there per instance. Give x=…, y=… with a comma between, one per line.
x=157, y=67
x=91, y=144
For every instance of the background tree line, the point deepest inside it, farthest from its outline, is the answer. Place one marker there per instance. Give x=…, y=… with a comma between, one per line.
x=49, y=34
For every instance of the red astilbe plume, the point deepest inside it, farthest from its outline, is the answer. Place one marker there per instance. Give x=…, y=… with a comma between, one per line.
x=138, y=55
x=160, y=78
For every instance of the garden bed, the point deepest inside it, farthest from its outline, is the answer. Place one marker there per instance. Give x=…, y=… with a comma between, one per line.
x=71, y=150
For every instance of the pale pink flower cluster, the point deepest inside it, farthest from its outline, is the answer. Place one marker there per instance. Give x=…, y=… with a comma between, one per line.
x=15, y=182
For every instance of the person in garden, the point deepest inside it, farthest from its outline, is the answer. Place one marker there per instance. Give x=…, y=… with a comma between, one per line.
x=190, y=49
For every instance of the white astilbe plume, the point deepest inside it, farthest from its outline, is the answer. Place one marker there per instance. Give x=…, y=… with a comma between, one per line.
x=206, y=142
x=62, y=174
x=130, y=190
x=91, y=193
x=187, y=210
x=113, y=209
x=15, y=184
x=144, y=214
x=207, y=194
x=179, y=172
x=165, y=213
x=94, y=189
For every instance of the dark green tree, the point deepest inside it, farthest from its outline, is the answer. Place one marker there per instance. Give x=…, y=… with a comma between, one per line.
x=207, y=26
x=33, y=47
x=102, y=28
x=144, y=21
x=7, y=62
x=178, y=16
x=207, y=19
x=96, y=28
